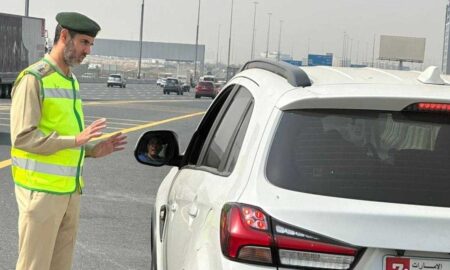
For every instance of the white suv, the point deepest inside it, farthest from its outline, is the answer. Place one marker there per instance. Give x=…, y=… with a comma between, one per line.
x=309, y=168
x=116, y=80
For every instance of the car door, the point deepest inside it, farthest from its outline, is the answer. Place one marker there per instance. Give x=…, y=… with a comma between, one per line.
x=190, y=203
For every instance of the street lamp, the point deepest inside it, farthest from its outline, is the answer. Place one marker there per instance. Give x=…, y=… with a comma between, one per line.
x=196, y=42
x=229, y=41
x=218, y=47
x=253, y=38
x=140, y=40
x=27, y=7
x=279, y=41
x=268, y=34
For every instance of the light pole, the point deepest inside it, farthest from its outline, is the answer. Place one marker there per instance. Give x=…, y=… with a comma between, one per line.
x=279, y=41
x=344, y=50
x=373, y=50
x=196, y=42
x=253, y=38
x=218, y=47
x=229, y=41
x=268, y=35
x=351, y=52
x=140, y=40
x=27, y=7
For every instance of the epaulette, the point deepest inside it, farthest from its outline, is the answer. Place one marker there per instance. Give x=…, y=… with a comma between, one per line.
x=40, y=69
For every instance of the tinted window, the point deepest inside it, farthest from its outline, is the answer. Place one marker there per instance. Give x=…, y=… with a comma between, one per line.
x=369, y=155
x=205, y=84
x=227, y=129
x=236, y=149
x=172, y=81
x=115, y=76
x=198, y=139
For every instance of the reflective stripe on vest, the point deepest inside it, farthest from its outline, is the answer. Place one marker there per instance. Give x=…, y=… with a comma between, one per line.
x=60, y=93
x=61, y=112
x=32, y=165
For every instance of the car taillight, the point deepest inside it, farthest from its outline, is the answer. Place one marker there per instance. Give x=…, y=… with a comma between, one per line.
x=245, y=235
x=428, y=107
x=248, y=234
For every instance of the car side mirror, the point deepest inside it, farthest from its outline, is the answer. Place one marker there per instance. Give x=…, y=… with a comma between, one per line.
x=158, y=148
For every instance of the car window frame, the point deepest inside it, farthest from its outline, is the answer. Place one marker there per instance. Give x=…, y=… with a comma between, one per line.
x=190, y=158
x=249, y=111
x=222, y=168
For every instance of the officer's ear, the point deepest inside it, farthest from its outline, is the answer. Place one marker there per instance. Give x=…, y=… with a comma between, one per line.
x=65, y=35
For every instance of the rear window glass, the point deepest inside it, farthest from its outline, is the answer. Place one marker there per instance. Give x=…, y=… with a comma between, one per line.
x=171, y=81
x=398, y=157
x=115, y=76
x=205, y=84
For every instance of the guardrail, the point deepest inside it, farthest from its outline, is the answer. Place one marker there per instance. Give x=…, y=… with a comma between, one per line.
x=129, y=81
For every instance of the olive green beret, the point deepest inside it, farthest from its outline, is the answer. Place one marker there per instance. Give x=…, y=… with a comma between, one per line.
x=78, y=23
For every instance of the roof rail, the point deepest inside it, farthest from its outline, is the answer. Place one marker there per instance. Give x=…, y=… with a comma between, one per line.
x=293, y=74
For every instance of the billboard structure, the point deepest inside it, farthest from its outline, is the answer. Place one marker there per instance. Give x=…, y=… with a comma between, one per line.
x=297, y=63
x=320, y=60
x=402, y=49
x=150, y=50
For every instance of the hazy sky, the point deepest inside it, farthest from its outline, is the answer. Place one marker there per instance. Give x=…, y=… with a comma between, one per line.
x=319, y=23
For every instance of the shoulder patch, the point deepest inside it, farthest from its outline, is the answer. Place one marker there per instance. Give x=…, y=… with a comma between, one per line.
x=41, y=68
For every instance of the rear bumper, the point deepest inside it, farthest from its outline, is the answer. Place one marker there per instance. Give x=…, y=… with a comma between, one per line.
x=171, y=89
x=205, y=93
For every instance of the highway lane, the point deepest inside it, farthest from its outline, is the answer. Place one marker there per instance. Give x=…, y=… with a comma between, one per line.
x=115, y=211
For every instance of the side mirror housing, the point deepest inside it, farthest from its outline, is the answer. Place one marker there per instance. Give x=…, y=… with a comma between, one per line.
x=158, y=148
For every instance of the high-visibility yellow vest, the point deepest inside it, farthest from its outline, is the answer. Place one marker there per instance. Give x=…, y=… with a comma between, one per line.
x=60, y=172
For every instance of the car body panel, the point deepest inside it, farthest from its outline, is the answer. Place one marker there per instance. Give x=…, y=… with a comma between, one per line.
x=161, y=200
x=194, y=215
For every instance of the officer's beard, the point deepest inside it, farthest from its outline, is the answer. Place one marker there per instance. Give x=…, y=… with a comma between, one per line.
x=71, y=58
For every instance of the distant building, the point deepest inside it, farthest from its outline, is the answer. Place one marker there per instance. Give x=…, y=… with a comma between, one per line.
x=445, y=54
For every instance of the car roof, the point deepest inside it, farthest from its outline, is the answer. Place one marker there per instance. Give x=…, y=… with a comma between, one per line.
x=352, y=88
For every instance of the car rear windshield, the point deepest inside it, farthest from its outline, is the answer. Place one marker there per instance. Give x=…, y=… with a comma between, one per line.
x=205, y=84
x=398, y=157
x=171, y=81
x=114, y=76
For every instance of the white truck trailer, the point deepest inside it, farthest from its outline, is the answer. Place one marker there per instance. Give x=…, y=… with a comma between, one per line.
x=22, y=42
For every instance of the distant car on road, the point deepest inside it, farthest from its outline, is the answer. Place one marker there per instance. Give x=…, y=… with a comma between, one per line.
x=218, y=86
x=161, y=82
x=208, y=78
x=172, y=85
x=183, y=82
x=116, y=80
x=186, y=87
x=205, y=89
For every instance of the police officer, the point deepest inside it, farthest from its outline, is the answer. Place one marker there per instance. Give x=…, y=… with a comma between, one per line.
x=49, y=144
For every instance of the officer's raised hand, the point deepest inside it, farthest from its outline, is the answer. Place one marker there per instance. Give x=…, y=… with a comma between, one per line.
x=94, y=130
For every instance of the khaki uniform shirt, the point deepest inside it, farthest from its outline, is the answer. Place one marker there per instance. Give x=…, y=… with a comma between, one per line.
x=26, y=108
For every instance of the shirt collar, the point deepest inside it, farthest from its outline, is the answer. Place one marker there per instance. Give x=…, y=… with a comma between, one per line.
x=55, y=66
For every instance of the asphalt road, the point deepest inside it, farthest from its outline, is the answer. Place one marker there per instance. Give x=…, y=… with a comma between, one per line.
x=119, y=194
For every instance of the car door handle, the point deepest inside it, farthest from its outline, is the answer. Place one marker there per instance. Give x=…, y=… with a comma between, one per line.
x=193, y=211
